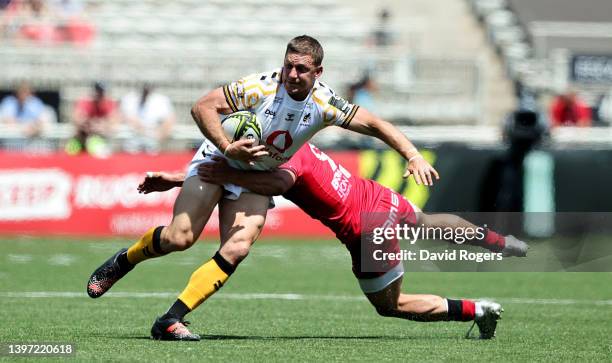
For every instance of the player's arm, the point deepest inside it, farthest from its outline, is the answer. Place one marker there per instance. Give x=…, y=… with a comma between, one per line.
x=206, y=112
x=366, y=123
x=160, y=181
x=274, y=182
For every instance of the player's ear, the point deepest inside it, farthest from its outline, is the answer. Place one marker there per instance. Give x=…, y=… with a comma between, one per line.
x=318, y=71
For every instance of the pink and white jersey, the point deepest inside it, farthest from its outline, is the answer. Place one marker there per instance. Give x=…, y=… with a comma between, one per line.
x=326, y=191
x=287, y=124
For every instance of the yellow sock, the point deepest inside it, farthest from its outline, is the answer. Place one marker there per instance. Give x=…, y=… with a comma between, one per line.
x=146, y=247
x=205, y=281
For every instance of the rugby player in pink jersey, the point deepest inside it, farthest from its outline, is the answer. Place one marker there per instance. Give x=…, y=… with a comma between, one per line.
x=326, y=191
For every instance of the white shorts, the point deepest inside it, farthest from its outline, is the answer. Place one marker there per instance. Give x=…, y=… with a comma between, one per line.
x=204, y=155
x=376, y=284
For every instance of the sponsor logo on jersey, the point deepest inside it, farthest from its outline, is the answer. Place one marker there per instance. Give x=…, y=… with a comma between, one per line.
x=275, y=155
x=340, y=104
x=270, y=112
x=340, y=181
x=393, y=212
x=306, y=120
x=289, y=117
x=281, y=140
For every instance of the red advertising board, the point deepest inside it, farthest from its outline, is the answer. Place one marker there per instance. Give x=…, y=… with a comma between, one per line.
x=58, y=194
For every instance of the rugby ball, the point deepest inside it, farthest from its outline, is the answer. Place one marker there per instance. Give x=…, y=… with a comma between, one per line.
x=242, y=125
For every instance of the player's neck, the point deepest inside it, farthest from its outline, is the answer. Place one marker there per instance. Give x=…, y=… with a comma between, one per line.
x=300, y=97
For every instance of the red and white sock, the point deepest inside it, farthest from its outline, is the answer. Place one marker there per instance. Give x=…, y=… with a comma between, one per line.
x=462, y=310
x=495, y=240
x=492, y=241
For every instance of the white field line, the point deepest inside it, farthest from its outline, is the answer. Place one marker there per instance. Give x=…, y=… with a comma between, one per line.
x=19, y=258
x=274, y=296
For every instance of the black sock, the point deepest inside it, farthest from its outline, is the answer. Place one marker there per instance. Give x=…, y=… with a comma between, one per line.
x=124, y=264
x=454, y=310
x=178, y=310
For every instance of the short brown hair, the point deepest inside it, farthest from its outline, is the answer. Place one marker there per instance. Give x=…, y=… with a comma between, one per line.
x=307, y=45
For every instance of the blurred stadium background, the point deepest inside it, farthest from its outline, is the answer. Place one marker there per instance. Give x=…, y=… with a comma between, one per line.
x=471, y=82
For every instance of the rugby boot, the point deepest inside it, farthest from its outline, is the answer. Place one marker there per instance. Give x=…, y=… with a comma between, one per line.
x=487, y=322
x=171, y=328
x=105, y=276
x=514, y=247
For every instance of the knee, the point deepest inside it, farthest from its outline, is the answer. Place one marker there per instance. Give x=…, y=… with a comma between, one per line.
x=386, y=308
x=236, y=251
x=180, y=239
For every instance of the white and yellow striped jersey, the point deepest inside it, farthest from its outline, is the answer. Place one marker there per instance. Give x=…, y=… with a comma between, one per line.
x=286, y=124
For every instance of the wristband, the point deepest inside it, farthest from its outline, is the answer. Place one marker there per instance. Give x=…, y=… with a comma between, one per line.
x=412, y=149
x=415, y=157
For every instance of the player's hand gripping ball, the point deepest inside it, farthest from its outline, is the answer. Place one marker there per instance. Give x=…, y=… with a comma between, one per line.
x=242, y=125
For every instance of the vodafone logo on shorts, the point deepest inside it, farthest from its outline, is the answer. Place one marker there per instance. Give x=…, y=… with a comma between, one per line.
x=281, y=140
x=28, y=194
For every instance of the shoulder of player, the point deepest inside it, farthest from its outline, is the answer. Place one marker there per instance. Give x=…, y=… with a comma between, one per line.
x=326, y=97
x=264, y=82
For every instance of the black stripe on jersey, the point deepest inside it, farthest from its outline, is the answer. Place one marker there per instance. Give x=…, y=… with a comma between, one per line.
x=273, y=75
x=262, y=78
x=350, y=116
x=228, y=98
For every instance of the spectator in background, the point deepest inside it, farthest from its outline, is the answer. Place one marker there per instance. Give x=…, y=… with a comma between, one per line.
x=35, y=21
x=94, y=119
x=382, y=36
x=72, y=25
x=24, y=112
x=362, y=93
x=569, y=110
x=46, y=22
x=604, y=109
x=150, y=116
x=67, y=8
